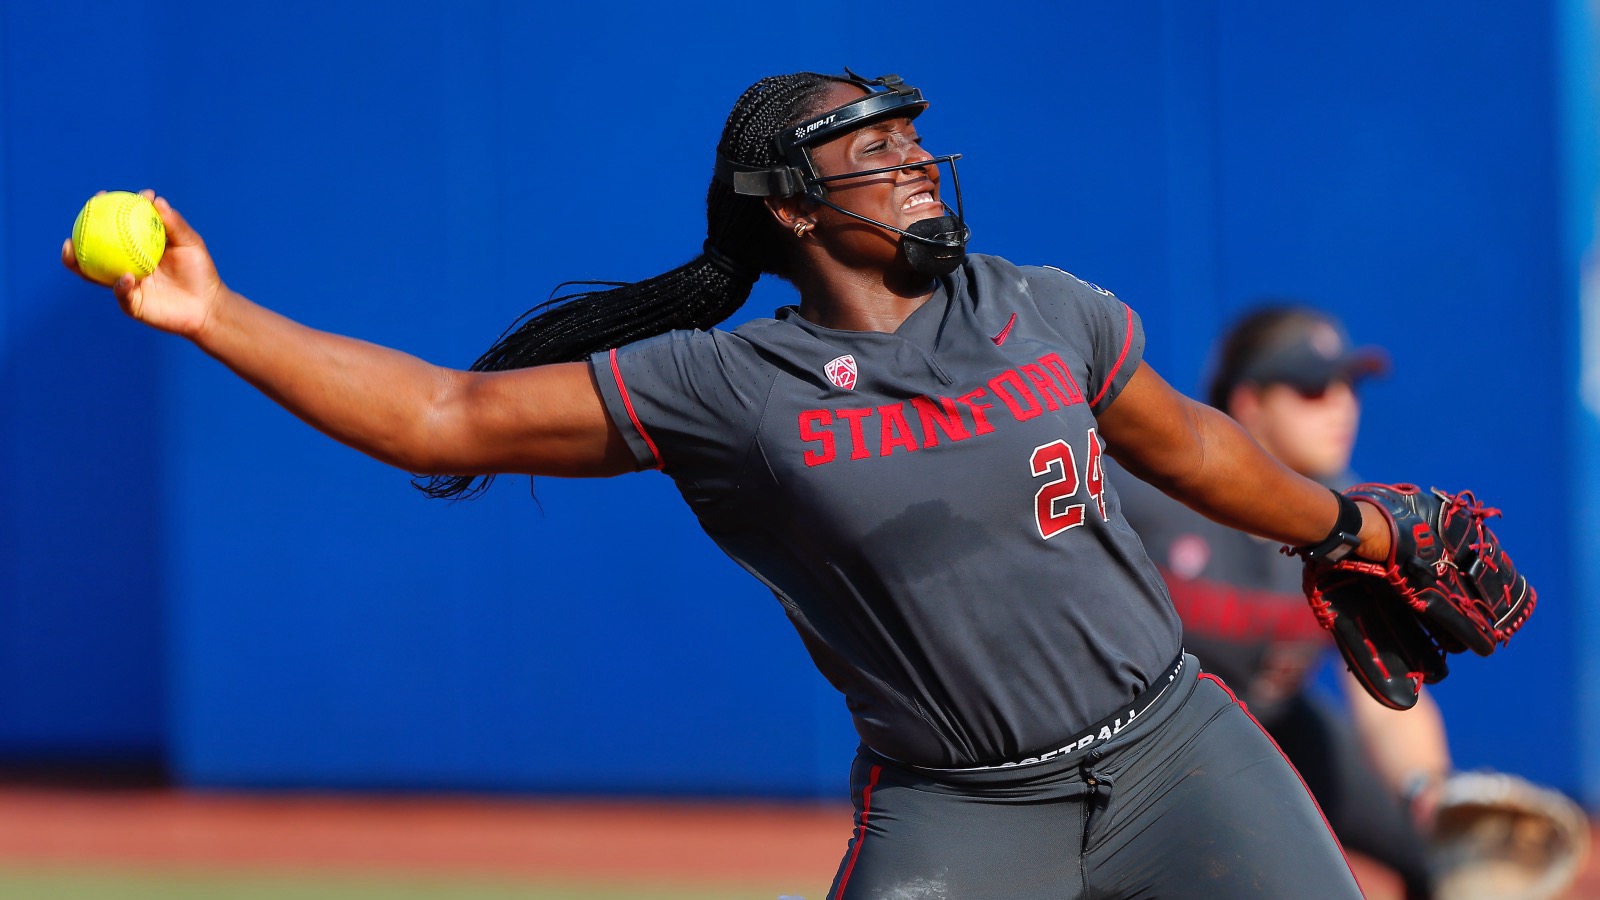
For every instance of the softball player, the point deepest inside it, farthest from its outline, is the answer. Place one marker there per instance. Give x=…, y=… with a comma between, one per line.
x=1288, y=374
x=912, y=460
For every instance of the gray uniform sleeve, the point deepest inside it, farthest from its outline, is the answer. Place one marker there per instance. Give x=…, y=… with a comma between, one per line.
x=682, y=400
x=1115, y=335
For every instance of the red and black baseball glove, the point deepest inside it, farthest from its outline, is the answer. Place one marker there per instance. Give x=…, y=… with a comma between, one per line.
x=1447, y=587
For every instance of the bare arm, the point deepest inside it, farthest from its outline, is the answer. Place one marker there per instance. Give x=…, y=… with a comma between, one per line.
x=423, y=418
x=1408, y=747
x=399, y=409
x=1203, y=459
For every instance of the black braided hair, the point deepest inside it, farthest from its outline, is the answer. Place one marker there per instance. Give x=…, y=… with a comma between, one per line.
x=742, y=243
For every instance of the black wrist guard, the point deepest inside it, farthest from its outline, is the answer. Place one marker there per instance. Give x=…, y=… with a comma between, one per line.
x=1344, y=538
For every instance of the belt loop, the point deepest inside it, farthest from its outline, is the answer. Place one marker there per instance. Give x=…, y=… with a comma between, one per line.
x=1100, y=785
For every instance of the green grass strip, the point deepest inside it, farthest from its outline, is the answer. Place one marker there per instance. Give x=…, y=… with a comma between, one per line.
x=101, y=883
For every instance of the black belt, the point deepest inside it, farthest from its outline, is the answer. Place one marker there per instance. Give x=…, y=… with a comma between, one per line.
x=1099, y=732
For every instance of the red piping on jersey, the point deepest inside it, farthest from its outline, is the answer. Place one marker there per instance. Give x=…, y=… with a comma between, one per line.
x=627, y=403
x=1206, y=676
x=861, y=831
x=1127, y=342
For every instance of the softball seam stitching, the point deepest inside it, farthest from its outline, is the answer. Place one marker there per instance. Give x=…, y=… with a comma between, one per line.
x=124, y=232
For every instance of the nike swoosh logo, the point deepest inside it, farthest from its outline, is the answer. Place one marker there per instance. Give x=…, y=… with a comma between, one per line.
x=1004, y=332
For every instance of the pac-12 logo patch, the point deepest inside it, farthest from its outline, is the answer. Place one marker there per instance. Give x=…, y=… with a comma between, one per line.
x=842, y=372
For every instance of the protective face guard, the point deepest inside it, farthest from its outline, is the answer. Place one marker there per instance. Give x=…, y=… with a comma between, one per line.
x=935, y=245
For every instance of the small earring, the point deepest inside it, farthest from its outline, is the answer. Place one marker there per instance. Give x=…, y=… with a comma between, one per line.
x=800, y=229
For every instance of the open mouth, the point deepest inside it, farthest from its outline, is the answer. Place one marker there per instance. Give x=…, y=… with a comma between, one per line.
x=921, y=198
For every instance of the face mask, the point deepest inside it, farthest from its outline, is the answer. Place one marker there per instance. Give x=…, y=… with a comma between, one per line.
x=935, y=246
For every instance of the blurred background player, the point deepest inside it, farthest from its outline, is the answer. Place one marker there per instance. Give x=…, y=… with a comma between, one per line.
x=1289, y=375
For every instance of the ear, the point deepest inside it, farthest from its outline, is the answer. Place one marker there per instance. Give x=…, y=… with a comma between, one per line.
x=790, y=211
x=1244, y=405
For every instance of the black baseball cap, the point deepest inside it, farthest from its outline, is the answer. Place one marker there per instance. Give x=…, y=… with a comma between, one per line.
x=1309, y=354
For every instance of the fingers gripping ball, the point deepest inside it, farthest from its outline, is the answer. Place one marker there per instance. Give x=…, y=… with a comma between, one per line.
x=116, y=233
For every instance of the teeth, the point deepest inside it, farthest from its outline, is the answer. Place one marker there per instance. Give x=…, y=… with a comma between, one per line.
x=918, y=200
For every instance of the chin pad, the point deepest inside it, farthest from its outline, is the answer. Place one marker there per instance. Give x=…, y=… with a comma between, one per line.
x=943, y=256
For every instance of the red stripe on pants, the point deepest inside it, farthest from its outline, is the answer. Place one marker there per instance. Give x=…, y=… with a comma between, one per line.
x=861, y=831
x=1336, y=841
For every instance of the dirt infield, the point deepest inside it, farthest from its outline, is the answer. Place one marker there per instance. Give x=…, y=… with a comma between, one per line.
x=792, y=848
x=659, y=845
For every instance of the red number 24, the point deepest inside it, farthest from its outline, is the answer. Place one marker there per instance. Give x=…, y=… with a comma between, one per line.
x=1052, y=512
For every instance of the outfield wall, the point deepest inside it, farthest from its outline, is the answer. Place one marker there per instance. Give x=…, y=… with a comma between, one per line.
x=189, y=574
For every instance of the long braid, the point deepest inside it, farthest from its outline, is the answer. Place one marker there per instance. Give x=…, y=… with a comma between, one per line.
x=741, y=244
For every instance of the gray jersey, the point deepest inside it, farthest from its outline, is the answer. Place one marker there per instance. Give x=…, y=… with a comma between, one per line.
x=928, y=505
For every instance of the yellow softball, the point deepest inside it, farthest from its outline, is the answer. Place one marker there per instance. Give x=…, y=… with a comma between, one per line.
x=118, y=232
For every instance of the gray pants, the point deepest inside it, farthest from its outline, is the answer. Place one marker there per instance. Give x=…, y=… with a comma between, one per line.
x=1192, y=800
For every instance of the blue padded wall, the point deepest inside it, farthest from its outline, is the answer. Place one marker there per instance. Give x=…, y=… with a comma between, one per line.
x=83, y=396
x=189, y=572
